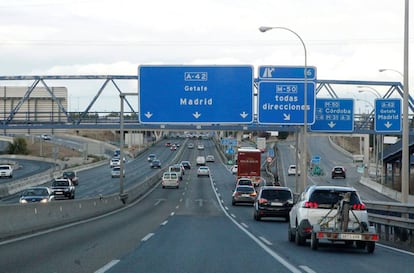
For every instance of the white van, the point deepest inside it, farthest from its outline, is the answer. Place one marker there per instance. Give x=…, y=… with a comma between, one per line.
x=170, y=179
x=201, y=160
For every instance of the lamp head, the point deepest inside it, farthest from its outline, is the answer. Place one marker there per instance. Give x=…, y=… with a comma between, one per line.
x=264, y=29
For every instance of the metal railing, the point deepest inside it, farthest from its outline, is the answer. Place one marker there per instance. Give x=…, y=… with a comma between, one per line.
x=394, y=222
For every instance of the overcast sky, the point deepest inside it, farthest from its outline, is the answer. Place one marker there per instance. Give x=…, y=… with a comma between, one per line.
x=345, y=39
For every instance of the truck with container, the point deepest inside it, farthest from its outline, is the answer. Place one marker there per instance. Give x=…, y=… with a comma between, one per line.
x=249, y=164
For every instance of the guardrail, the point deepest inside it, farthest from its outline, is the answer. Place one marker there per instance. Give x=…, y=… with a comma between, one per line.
x=394, y=222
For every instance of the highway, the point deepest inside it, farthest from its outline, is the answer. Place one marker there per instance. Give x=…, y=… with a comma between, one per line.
x=191, y=229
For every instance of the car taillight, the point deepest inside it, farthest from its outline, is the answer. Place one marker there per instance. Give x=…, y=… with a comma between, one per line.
x=359, y=206
x=262, y=201
x=311, y=205
x=253, y=194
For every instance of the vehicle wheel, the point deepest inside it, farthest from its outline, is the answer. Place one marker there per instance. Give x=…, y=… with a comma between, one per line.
x=314, y=241
x=291, y=235
x=287, y=219
x=370, y=247
x=360, y=244
x=233, y=203
x=299, y=240
x=163, y=187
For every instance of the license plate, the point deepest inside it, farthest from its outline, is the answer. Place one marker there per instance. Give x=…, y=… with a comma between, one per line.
x=245, y=195
x=276, y=204
x=58, y=192
x=351, y=236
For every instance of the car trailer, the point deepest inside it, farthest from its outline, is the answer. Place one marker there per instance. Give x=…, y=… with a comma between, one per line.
x=364, y=236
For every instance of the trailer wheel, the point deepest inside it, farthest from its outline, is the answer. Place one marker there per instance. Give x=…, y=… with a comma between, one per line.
x=314, y=241
x=370, y=247
x=299, y=240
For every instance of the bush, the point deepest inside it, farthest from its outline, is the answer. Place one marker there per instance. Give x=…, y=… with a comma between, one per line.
x=19, y=146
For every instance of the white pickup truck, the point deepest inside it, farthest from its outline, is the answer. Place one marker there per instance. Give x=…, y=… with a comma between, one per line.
x=170, y=179
x=6, y=171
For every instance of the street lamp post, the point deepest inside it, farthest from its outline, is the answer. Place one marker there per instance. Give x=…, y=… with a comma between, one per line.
x=378, y=140
x=305, y=112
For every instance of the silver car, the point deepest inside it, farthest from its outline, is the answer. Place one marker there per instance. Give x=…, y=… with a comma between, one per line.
x=243, y=194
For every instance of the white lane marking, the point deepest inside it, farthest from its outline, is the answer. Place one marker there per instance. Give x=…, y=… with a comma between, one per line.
x=177, y=207
x=307, y=269
x=158, y=202
x=226, y=208
x=107, y=266
x=164, y=223
x=245, y=225
x=396, y=249
x=172, y=213
x=181, y=200
x=146, y=238
x=232, y=215
x=275, y=256
x=267, y=242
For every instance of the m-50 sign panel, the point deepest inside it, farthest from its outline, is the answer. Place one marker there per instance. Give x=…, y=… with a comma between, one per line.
x=195, y=94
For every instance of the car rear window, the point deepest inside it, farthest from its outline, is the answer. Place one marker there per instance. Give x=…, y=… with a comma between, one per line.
x=245, y=189
x=276, y=194
x=60, y=183
x=325, y=197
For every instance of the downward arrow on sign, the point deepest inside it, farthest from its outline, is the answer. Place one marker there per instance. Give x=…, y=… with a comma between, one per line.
x=388, y=124
x=286, y=116
x=196, y=115
x=331, y=124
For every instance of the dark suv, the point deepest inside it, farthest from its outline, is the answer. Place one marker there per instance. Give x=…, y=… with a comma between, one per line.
x=273, y=201
x=338, y=171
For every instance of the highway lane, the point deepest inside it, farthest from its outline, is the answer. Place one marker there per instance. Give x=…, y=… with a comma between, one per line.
x=98, y=181
x=174, y=230
x=330, y=157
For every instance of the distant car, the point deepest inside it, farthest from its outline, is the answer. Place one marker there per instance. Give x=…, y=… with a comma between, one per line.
x=151, y=157
x=203, y=171
x=173, y=147
x=116, y=172
x=292, y=170
x=273, y=201
x=156, y=163
x=63, y=188
x=234, y=169
x=210, y=158
x=200, y=147
x=338, y=171
x=177, y=168
x=6, y=171
x=36, y=195
x=167, y=144
x=201, y=160
x=190, y=146
x=186, y=164
x=244, y=181
x=243, y=194
x=72, y=176
x=45, y=137
x=114, y=162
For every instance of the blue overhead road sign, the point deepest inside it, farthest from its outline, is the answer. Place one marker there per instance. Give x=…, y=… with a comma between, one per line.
x=281, y=94
x=334, y=115
x=388, y=115
x=282, y=102
x=287, y=73
x=195, y=94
